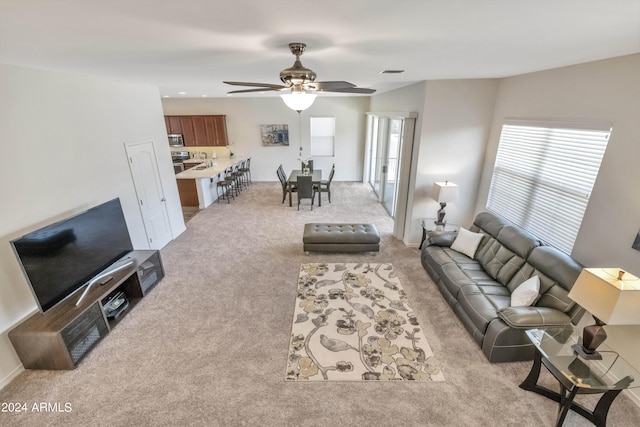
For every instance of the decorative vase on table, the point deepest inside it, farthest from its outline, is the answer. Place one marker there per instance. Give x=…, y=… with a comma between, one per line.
x=305, y=171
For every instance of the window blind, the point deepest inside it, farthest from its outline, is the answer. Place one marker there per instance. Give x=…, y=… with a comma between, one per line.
x=322, y=136
x=543, y=177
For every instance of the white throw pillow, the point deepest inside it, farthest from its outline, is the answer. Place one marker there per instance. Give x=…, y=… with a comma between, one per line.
x=526, y=293
x=467, y=242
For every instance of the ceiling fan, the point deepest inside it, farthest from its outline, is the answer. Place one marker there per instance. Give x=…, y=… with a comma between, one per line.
x=300, y=79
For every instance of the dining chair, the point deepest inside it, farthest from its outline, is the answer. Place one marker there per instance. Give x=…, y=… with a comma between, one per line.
x=325, y=185
x=308, y=165
x=306, y=189
x=282, y=176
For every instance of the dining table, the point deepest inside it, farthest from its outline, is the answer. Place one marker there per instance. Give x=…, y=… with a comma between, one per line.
x=316, y=179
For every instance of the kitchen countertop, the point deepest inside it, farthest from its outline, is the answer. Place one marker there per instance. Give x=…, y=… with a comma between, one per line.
x=219, y=165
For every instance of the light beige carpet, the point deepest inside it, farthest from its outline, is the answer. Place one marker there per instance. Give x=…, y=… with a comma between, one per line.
x=208, y=345
x=353, y=321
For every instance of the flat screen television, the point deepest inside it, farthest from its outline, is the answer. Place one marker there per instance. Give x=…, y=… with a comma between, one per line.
x=60, y=258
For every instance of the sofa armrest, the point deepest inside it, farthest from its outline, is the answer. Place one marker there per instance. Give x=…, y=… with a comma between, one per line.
x=533, y=317
x=444, y=239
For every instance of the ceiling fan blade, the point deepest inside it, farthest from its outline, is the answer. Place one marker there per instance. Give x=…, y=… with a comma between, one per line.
x=269, y=85
x=261, y=89
x=351, y=90
x=329, y=85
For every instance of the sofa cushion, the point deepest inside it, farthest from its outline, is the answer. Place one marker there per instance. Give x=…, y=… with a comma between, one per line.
x=467, y=242
x=558, y=272
x=454, y=277
x=481, y=303
x=500, y=262
x=436, y=257
x=526, y=293
x=502, y=256
x=489, y=223
x=518, y=240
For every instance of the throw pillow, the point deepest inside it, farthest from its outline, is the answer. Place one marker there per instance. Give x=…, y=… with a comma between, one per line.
x=526, y=293
x=467, y=242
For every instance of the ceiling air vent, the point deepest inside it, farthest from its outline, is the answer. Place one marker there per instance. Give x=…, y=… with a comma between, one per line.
x=391, y=71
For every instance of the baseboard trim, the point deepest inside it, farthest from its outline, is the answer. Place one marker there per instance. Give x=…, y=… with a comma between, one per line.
x=12, y=375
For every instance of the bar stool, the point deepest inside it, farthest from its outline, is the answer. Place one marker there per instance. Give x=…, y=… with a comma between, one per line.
x=226, y=186
x=246, y=170
x=230, y=175
x=238, y=178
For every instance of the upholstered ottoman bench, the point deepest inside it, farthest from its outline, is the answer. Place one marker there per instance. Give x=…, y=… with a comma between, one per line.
x=340, y=238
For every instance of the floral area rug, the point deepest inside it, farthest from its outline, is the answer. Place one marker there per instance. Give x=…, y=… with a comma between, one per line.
x=354, y=322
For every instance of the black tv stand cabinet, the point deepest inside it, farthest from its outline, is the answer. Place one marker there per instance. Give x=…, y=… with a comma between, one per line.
x=61, y=337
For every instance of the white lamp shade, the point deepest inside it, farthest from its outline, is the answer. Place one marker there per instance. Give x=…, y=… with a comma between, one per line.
x=298, y=101
x=614, y=301
x=445, y=192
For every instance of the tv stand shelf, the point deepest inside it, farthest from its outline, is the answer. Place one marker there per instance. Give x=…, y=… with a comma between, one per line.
x=62, y=336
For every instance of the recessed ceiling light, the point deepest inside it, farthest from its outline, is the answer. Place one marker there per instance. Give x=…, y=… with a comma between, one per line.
x=165, y=96
x=391, y=71
x=204, y=96
x=182, y=93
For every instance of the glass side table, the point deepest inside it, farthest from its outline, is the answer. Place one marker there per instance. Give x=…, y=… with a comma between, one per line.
x=608, y=376
x=429, y=227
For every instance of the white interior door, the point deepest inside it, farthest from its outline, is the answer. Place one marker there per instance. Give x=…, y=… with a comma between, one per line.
x=146, y=179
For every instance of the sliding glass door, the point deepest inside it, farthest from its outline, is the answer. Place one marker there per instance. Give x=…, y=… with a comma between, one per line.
x=387, y=167
x=374, y=155
x=391, y=165
x=385, y=143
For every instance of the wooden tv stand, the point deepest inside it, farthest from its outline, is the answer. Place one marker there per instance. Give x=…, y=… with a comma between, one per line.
x=61, y=337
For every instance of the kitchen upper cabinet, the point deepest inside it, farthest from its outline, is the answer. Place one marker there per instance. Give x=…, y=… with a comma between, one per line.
x=202, y=131
x=173, y=124
x=210, y=126
x=187, y=131
x=220, y=124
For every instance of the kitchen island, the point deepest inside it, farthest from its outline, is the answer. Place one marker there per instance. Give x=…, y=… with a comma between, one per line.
x=198, y=185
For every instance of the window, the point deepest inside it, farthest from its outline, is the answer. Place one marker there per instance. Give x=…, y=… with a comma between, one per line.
x=543, y=176
x=323, y=130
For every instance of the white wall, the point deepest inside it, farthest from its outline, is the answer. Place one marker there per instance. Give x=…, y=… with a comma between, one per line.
x=63, y=136
x=606, y=90
x=245, y=115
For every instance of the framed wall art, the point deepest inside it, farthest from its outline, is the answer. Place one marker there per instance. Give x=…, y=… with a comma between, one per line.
x=275, y=135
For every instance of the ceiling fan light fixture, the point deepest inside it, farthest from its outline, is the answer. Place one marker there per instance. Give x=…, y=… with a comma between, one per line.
x=298, y=101
x=300, y=79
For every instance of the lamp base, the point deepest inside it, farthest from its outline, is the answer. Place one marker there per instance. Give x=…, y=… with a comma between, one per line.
x=441, y=214
x=577, y=348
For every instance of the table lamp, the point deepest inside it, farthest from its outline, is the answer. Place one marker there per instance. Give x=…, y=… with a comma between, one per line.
x=443, y=193
x=612, y=296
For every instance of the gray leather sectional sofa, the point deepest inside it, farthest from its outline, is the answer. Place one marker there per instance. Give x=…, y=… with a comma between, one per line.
x=479, y=289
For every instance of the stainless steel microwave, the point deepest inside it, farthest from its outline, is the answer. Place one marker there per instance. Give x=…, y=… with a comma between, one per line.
x=176, y=140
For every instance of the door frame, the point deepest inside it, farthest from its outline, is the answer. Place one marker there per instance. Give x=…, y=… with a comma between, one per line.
x=405, y=163
x=127, y=146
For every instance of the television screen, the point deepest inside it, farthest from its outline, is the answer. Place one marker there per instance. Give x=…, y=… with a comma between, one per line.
x=60, y=258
